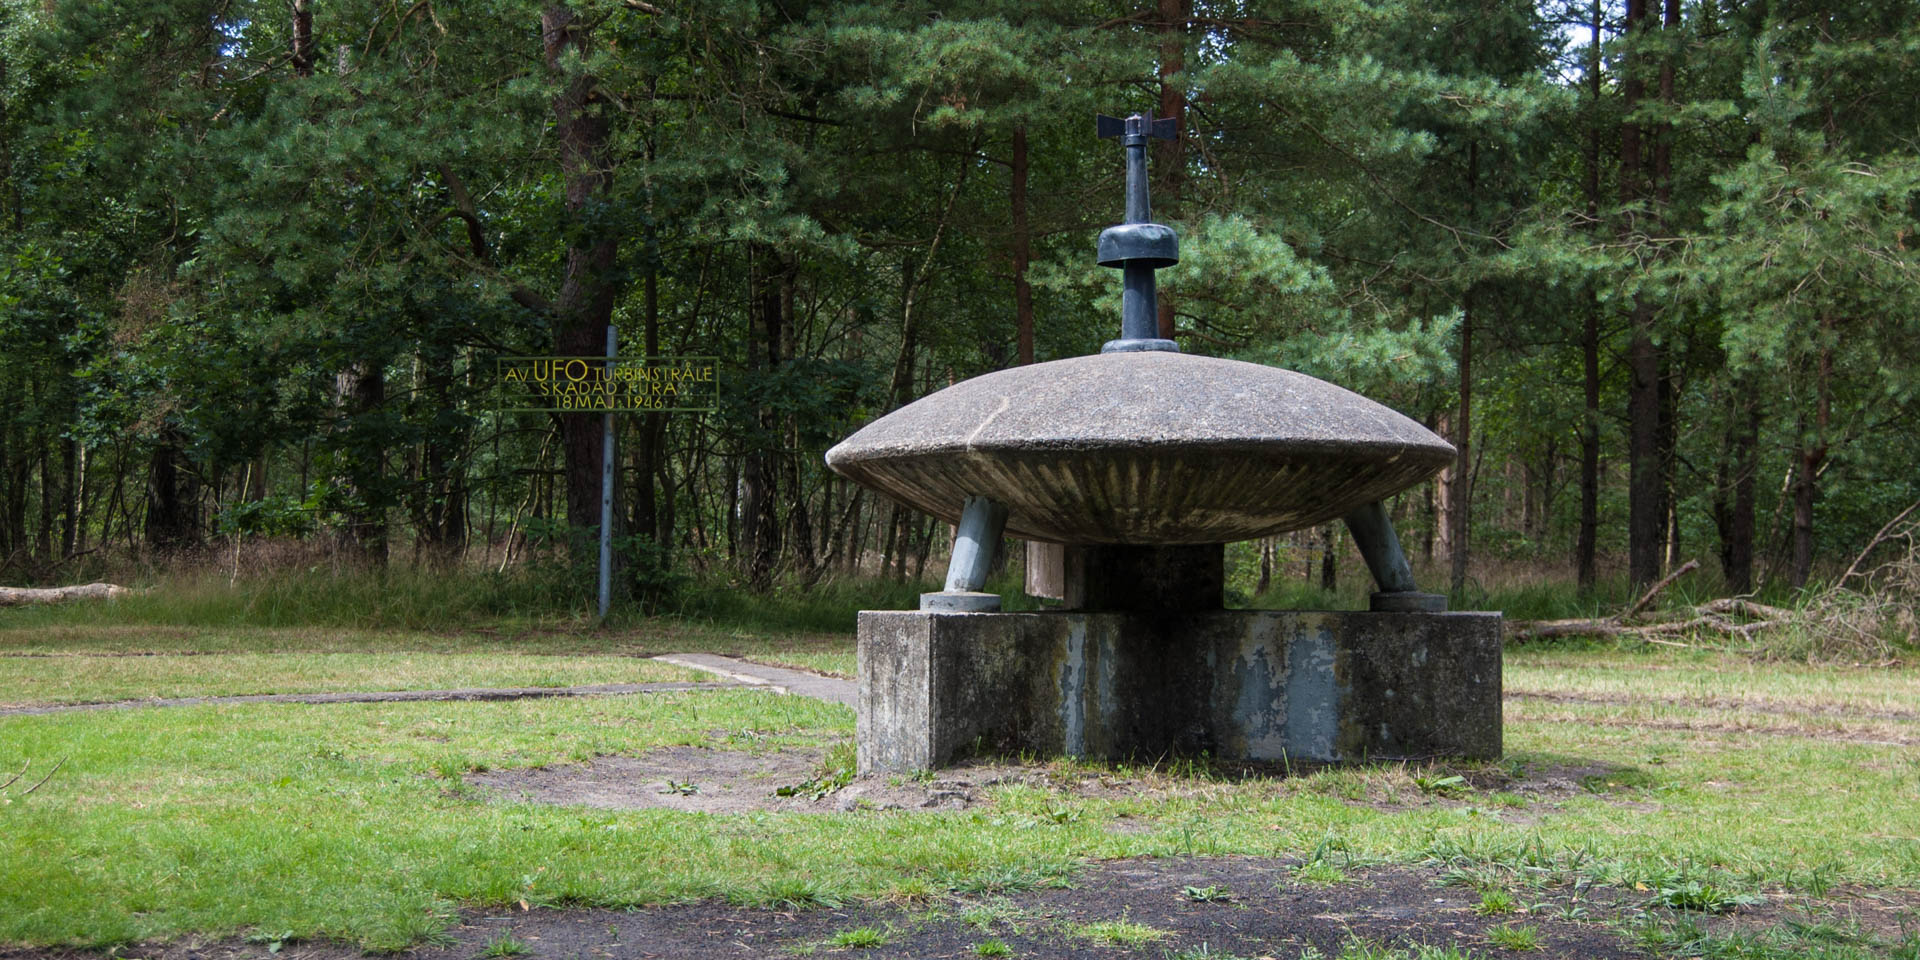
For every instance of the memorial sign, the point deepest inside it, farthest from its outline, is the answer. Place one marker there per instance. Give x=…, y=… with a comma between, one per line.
x=603, y=385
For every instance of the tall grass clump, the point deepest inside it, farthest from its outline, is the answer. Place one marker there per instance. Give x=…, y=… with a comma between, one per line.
x=828, y=605
x=393, y=597
x=1873, y=619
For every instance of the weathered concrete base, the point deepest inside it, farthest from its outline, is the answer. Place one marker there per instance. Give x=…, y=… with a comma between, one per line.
x=1238, y=684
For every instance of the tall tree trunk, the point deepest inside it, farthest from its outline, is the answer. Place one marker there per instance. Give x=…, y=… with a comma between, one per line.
x=441, y=519
x=646, y=446
x=1587, y=544
x=1022, y=248
x=923, y=545
x=361, y=390
x=1646, y=513
x=891, y=543
x=1733, y=494
x=651, y=469
x=19, y=477
x=1588, y=537
x=590, y=285
x=1669, y=438
x=900, y=385
x=1460, y=482
x=8, y=494
x=88, y=497
x=799, y=517
x=1667, y=425
x=735, y=469
x=70, y=494
x=825, y=550
x=1813, y=453
x=1328, y=559
x=759, y=516
x=257, y=484
x=1646, y=483
x=302, y=38
x=49, y=494
x=169, y=524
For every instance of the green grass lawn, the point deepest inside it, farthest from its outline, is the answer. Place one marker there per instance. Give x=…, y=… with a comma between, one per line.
x=352, y=821
x=92, y=678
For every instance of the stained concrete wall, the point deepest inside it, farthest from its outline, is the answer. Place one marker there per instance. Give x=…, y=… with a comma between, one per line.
x=1253, y=685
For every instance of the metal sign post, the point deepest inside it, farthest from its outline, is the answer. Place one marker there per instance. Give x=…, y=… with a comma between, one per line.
x=606, y=489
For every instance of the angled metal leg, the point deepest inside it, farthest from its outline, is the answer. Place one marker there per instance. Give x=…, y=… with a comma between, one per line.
x=975, y=542
x=1380, y=546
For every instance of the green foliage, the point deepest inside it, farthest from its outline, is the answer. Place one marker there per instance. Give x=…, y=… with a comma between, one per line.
x=276, y=516
x=229, y=286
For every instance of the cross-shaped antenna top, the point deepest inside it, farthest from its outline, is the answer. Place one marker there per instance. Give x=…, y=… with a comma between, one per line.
x=1138, y=246
x=1135, y=129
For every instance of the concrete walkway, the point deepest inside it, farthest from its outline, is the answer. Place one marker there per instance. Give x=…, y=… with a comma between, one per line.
x=780, y=679
x=382, y=696
x=738, y=673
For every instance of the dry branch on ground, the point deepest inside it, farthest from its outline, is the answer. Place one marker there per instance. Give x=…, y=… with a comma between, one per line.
x=1864, y=617
x=1731, y=616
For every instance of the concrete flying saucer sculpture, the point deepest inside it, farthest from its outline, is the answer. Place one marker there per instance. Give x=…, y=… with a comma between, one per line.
x=1143, y=447
x=1128, y=472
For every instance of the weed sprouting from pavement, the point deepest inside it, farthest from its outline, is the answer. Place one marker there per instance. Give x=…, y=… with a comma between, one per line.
x=1319, y=873
x=1520, y=938
x=1119, y=933
x=1207, y=894
x=859, y=938
x=1495, y=903
x=505, y=944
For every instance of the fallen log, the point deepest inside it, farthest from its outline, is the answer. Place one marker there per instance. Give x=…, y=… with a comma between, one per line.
x=1746, y=608
x=16, y=596
x=1608, y=627
x=1714, y=616
x=1654, y=591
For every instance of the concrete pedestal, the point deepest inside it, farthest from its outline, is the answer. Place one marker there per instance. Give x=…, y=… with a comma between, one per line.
x=1237, y=684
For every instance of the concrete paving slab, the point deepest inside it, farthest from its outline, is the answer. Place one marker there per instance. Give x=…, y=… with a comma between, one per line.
x=779, y=678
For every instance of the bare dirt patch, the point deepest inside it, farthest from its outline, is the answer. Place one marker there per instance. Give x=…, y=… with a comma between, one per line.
x=714, y=780
x=674, y=778
x=727, y=781
x=1252, y=908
